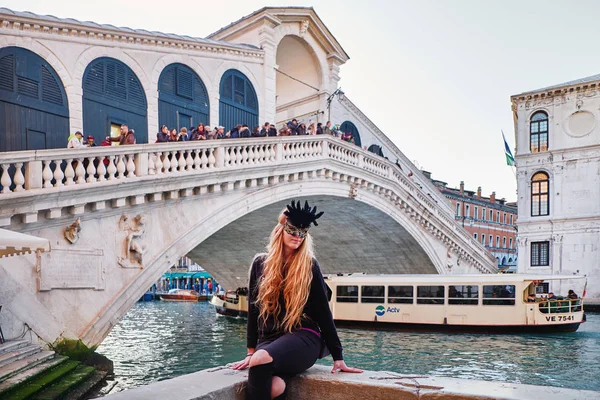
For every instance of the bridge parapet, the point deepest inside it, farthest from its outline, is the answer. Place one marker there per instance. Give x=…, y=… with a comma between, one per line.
x=49, y=184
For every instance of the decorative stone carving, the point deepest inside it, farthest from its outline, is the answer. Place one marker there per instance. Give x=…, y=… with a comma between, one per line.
x=304, y=27
x=353, y=191
x=134, y=249
x=72, y=231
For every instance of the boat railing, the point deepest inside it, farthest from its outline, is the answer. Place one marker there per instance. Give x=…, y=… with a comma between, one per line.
x=560, y=306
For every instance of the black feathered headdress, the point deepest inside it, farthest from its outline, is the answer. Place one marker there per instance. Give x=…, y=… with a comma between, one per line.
x=302, y=217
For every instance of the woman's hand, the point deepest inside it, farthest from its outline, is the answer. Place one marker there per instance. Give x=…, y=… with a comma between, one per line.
x=341, y=366
x=240, y=365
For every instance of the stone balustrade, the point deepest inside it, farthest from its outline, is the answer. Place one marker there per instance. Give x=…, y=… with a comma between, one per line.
x=28, y=174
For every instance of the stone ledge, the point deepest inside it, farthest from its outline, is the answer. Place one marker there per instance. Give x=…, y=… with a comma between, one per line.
x=319, y=383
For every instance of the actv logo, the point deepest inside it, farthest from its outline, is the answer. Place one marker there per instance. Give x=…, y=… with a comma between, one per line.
x=380, y=310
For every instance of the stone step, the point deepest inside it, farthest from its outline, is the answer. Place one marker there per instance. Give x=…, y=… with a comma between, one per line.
x=27, y=368
x=86, y=387
x=67, y=384
x=13, y=345
x=18, y=354
x=40, y=382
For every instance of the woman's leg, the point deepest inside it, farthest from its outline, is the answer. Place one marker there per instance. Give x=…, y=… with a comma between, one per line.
x=282, y=358
x=260, y=376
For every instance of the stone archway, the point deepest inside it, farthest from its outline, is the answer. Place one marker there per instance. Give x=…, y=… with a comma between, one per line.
x=299, y=79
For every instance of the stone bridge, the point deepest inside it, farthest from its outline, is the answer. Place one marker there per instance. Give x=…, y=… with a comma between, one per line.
x=119, y=217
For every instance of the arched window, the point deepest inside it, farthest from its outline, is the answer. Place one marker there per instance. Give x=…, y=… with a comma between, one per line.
x=503, y=260
x=349, y=127
x=182, y=98
x=238, y=103
x=376, y=149
x=538, y=132
x=540, y=188
x=113, y=95
x=34, y=112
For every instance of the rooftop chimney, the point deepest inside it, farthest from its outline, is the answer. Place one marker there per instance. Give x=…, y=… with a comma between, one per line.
x=493, y=197
x=462, y=188
x=479, y=192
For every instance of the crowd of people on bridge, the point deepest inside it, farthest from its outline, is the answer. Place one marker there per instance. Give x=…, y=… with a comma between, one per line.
x=205, y=132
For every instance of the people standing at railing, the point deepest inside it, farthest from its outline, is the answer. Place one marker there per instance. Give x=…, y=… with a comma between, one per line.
x=76, y=142
x=91, y=142
x=285, y=131
x=551, y=296
x=127, y=136
x=265, y=130
x=293, y=127
x=257, y=132
x=572, y=295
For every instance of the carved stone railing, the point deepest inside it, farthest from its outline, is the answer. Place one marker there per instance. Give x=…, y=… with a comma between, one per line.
x=28, y=174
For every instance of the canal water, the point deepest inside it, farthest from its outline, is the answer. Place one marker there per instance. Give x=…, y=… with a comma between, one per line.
x=161, y=340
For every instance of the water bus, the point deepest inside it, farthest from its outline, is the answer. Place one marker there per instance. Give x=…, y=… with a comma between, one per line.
x=500, y=303
x=182, y=295
x=232, y=303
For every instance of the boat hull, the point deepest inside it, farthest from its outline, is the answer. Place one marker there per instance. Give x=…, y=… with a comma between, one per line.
x=167, y=297
x=503, y=329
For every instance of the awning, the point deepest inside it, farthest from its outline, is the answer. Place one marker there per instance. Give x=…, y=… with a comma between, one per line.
x=184, y=275
x=15, y=243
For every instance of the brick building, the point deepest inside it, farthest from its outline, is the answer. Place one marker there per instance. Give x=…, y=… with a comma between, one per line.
x=491, y=221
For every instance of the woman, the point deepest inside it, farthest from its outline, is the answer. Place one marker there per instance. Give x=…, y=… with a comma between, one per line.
x=289, y=321
x=173, y=136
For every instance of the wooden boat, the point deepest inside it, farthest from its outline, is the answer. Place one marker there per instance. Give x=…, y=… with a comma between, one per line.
x=182, y=295
x=232, y=303
x=468, y=303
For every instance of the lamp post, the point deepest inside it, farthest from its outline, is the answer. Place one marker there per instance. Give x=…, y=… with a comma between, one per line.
x=337, y=92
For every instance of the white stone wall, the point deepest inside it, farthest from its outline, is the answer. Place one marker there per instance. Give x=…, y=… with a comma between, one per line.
x=70, y=54
x=573, y=166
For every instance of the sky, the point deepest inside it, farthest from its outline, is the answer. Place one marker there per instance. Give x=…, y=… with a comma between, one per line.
x=435, y=76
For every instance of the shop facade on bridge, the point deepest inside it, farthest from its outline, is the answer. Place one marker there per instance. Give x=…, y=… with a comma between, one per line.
x=61, y=76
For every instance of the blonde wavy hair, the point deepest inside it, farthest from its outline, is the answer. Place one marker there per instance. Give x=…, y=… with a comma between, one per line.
x=294, y=276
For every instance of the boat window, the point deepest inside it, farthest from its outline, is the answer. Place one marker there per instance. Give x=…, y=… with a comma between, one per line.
x=430, y=295
x=400, y=294
x=499, y=295
x=372, y=294
x=346, y=294
x=463, y=294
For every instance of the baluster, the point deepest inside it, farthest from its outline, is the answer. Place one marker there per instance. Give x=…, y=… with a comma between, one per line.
x=166, y=162
x=19, y=178
x=112, y=169
x=101, y=170
x=181, y=161
x=197, y=159
x=121, y=167
x=158, y=163
x=69, y=172
x=151, y=165
x=174, y=162
x=189, y=161
x=130, y=166
x=272, y=154
x=294, y=151
x=47, y=175
x=79, y=171
x=58, y=174
x=5, y=180
x=238, y=155
x=227, y=157
x=244, y=155
x=203, y=159
x=91, y=170
x=251, y=155
x=211, y=158
x=261, y=154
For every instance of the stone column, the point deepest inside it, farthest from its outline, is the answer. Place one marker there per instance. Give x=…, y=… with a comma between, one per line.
x=267, y=43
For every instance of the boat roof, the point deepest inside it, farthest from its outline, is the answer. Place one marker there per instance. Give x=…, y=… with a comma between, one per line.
x=434, y=278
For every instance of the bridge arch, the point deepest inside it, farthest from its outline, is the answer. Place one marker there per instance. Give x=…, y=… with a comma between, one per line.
x=113, y=95
x=183, y=100
x=33, y=102
x=349, y=127
x=211, y=221
x=238, y=102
